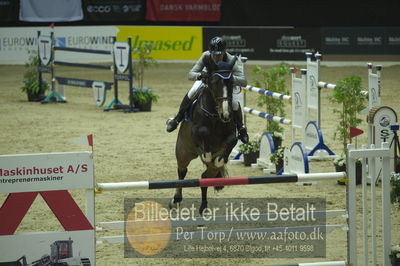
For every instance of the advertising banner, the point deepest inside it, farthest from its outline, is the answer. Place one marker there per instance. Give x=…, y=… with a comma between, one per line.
x=15, y=42
x=267, y=43
x=182, y=10
x=50, y=10
x=171, y=43
x=51, y=175
x=51, y=171
x=44, y=248
x=114, y=10
x=361, y=40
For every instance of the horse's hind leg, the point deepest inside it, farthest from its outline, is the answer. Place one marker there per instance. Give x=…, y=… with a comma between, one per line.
x=183, y=160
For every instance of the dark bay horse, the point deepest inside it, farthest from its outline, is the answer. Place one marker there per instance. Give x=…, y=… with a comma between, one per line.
x=211, y=133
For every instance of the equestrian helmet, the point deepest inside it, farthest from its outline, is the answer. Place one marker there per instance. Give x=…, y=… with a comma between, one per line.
x=217, y=45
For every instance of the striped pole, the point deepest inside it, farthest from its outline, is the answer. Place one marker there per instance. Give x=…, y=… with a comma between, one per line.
x=81, y=50
x=277, y=119
x=322, y=84
x=327, y=85
x=212, y=182
x=275, y=95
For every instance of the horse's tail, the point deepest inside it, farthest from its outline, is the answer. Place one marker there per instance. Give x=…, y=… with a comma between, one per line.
x=223, y=172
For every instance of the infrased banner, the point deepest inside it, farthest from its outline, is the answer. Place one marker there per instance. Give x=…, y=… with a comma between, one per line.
x=170, y=43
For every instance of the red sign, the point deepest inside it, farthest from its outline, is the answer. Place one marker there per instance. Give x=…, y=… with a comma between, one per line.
x=183, y=10
x=354, y=132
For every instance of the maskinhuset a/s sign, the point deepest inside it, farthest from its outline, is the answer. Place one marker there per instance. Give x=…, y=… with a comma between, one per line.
x=50, y=171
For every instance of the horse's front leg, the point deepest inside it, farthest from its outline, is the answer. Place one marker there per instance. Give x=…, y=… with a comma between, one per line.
x=221, y=160
x=203, y=204
x=178, y=191
x=203, y=133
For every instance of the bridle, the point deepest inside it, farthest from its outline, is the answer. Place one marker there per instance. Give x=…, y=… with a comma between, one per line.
x=223, y=75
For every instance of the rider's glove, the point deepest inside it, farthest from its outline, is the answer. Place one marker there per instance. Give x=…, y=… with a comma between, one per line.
x=202, y=75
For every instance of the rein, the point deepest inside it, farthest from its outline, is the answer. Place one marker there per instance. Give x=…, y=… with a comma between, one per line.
x=205, y=111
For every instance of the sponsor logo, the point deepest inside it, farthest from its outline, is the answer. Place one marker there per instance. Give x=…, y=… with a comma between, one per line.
x=88, y=40
x=369, y=40
x=332, y=40
x=384, y=121
x=104, y=9
x=297, y=100
x=99, y=9
x=291, y=42
x=237, y=44
x=166, y=45
x=394, y=40
x=190, y=7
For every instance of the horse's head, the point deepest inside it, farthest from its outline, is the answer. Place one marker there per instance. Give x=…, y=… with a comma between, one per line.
x=220, y=84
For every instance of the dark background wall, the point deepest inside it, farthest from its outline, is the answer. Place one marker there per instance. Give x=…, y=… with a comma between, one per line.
x=248, y=13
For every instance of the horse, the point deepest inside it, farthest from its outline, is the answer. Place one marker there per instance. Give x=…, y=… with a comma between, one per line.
x=211, y=131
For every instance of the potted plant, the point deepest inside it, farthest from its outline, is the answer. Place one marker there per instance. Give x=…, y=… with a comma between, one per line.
x=349, y=94
x=395, y=189
x=31, y=86
x=395, y=255
x=273, y=79
x=143, y=98
x=250, y=151
x=340, y=163
x=277, y=158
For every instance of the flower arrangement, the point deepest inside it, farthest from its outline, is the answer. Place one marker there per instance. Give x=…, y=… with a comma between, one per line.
x=340, y=161
x=277, y=157
x=251, y=146
x=395, y=254
x=395, y=189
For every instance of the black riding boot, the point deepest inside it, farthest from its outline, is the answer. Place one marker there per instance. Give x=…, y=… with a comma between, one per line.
x=242, y=131
x=173, y=123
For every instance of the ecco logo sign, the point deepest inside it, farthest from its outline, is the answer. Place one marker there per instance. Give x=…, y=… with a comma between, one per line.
x=99, y=9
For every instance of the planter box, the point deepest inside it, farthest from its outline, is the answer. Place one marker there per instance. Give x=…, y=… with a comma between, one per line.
x=250, y=158
x=36, y=97
x=145, y=107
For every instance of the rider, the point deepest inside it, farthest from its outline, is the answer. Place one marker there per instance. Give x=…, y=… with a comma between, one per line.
x=217, y=52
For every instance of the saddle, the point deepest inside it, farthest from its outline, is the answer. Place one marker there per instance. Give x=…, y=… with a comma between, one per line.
x=189, y=112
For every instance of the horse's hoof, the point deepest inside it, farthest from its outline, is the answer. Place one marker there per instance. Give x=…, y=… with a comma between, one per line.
x=206, y=157
x=174, y=204
x=218, y=188
x=202, y=208
x=219, y=162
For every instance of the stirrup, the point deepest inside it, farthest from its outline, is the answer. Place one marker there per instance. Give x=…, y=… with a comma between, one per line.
x=172, y=124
